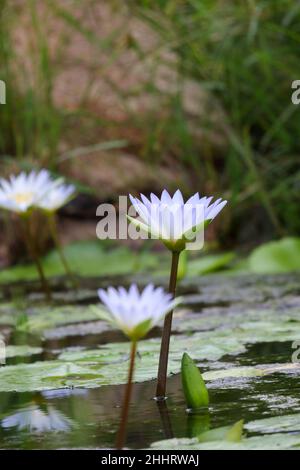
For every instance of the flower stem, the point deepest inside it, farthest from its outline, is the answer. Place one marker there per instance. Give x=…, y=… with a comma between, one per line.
x=165, y=340
x=54, y=235
x=125, y=409
x=33, y=253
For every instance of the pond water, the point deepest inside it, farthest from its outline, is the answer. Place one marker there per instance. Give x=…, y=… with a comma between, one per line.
x=89, y=418
x=76, y=416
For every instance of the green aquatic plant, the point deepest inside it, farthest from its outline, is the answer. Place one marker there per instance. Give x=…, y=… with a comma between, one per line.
x=177, y=224
x=26, y=192
x=232, y=433
x=276, y=257
x=135, y=314
x=194, y=388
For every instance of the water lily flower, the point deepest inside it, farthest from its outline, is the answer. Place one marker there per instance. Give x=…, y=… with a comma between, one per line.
x=20, y=193
x=176, y=223
x=35, y=420
x=133, y=312
x=39, y=190
x=171, y=219
x=57, y=197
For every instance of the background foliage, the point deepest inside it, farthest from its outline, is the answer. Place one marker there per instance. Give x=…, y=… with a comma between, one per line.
x=240, y=139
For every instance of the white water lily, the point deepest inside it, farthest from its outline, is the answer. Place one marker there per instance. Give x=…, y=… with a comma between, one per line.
x=134, y=312
x=57, y=197
x=20, y=193
x=171, y=219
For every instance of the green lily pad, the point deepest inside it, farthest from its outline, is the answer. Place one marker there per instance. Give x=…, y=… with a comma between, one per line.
x=21, y=350
x=232, y=433
x=268, y=442
x=251, y=371
x=247, y=326
x=38, y=319
x=276, y=257
x=108, y=365
x=86, y=259
x=287, y=423
x=209, y=263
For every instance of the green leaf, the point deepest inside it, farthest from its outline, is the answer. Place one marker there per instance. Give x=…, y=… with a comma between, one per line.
x=210, y=263
x=194, y=388
x=21, y=350
x=225, y=433
x=182, y=266
x=86, y=258
x=276, y=257
x=190, y=235
x=287, y=423
x=198, y=422
x=235, y=433
x=251, y=371
x=268, y=442
x=106, y=365
x=140, y=330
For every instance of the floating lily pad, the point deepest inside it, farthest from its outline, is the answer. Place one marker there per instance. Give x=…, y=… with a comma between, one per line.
x=21, y=350
x=276, y=257
x=86, y=259
x=247, y=326
x=41, y=318
x=208, y=331
x=290, y=423
x=258, y=371
x=107, y=365
x=209, y=263
x=268, y=442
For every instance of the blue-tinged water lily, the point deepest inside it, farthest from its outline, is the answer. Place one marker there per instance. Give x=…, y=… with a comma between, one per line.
x=21, y=193
x=58, y=196
x=35, y=420
x=177, y=223
x=36, y=190
x=173, y=220
x=134, y=312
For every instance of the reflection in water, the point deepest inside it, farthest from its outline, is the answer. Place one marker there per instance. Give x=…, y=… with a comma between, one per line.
x=64, y=392
x=37, y=420
x=89, y=418
x=165, y=418
x=197, y=423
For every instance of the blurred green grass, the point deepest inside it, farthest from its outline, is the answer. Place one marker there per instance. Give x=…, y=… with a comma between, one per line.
x=243, y=54
x=246, y=54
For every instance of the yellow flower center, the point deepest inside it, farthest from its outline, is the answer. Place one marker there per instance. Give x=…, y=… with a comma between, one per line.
x=22, y=198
